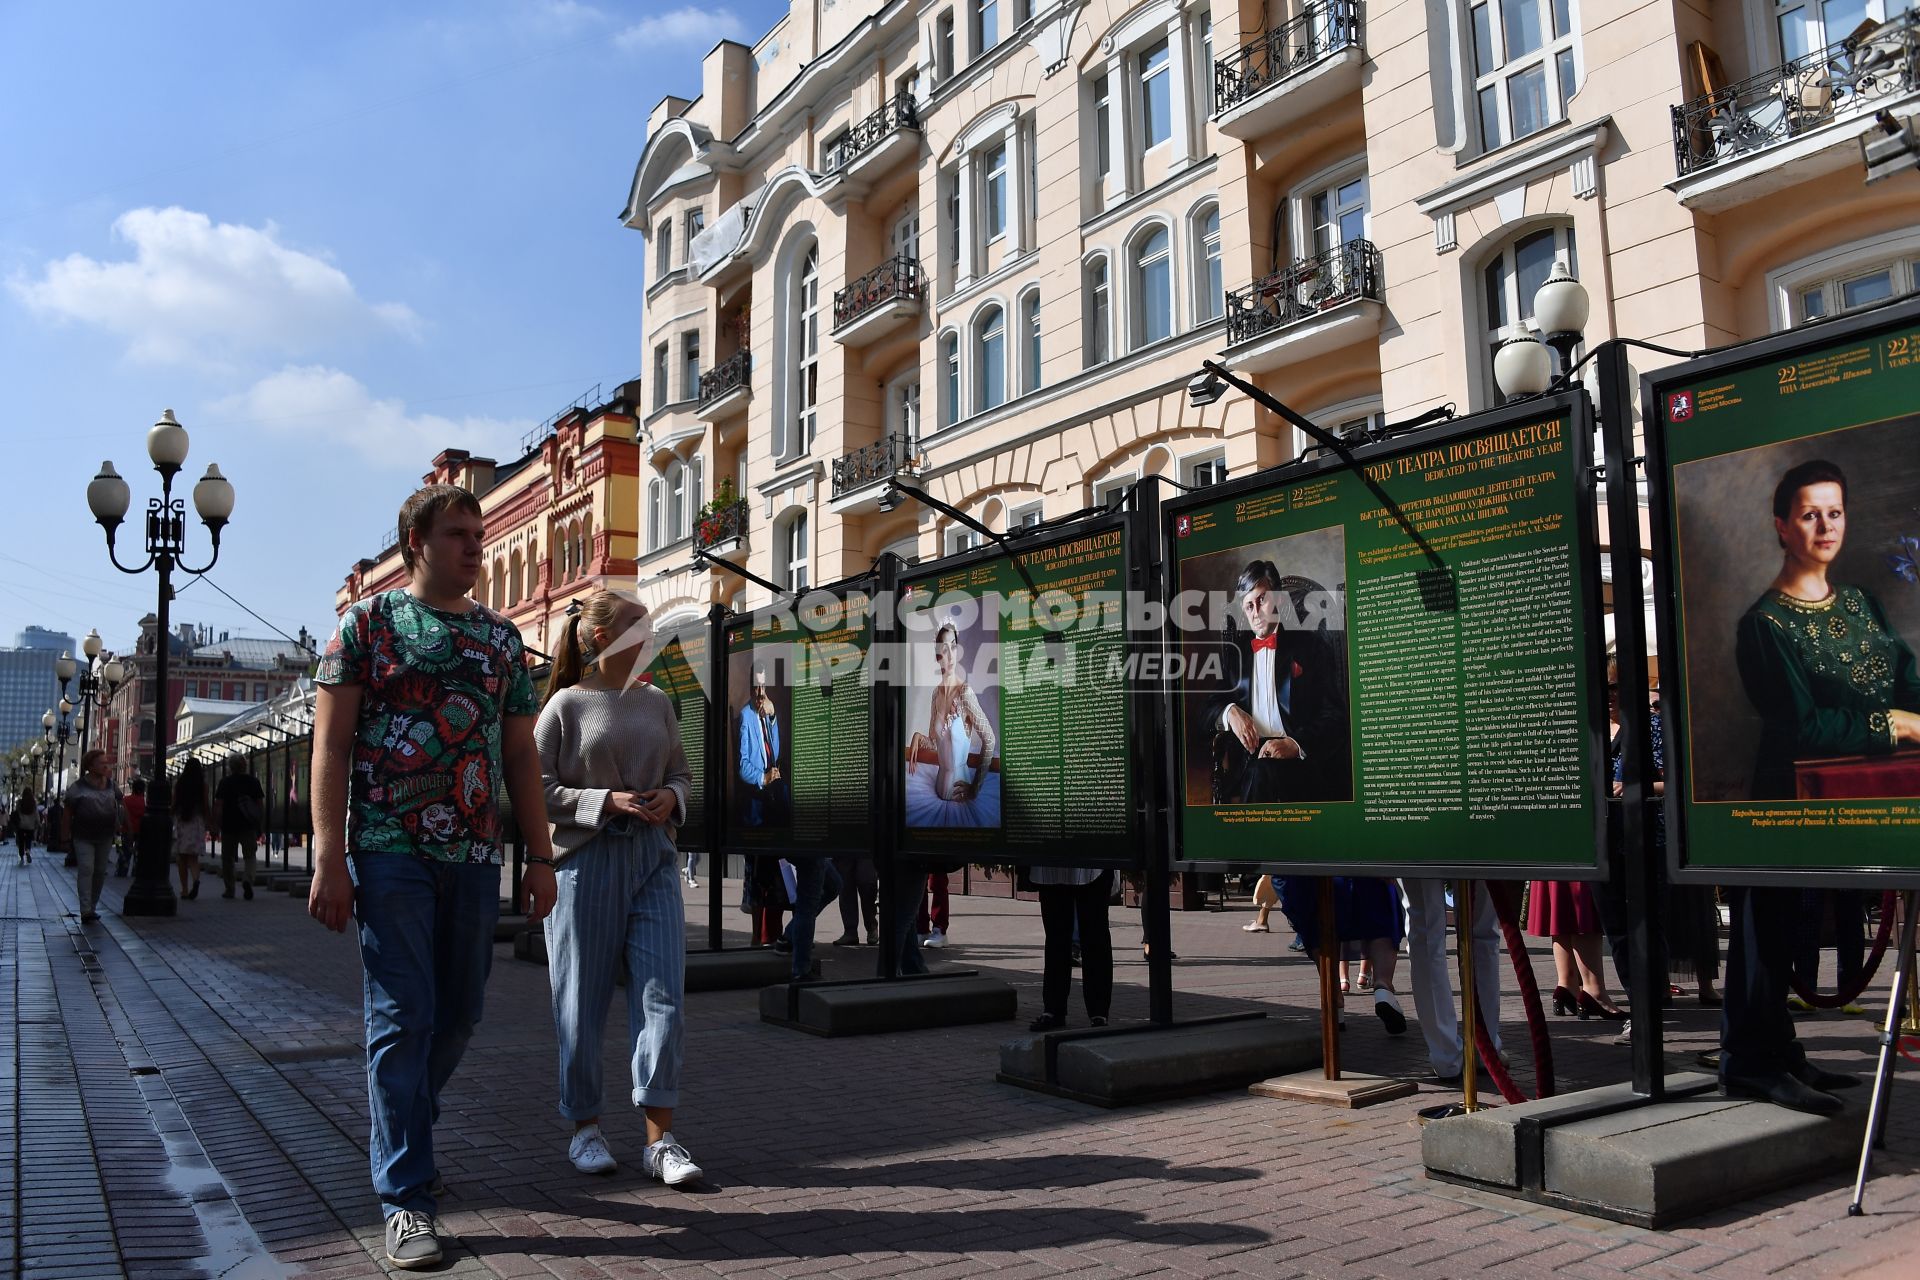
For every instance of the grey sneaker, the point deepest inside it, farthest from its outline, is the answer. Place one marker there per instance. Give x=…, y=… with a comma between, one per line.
x=668, y=1161
x=589, y=1152
x=412, y=1242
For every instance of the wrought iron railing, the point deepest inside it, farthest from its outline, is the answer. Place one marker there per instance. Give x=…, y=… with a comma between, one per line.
x=895, y=113
x=729, y=375
x=870, y=463
x=727, y=523
x=1318, y=30
x=1304, y=288
x=896, y=278
x=1795, y=97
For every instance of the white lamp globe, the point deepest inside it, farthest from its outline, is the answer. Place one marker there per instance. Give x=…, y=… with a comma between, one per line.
x=167, y=442
x=1521, y=366
x=1561, y=305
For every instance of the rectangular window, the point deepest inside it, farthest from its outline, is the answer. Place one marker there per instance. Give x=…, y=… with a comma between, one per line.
x=986, y=25
x=259, y=692
x=1030, y=367
x=1027, y=517
x=943, y=46
x=1863, y=290
x=696, y=223
x=1156, y=96
x=1099, y=312
x=830, y=154
x=660, y=376
x=1206, y=472
x=1525, y=70
x=690, y=365
x=1103, y=126
x=993, y=168
x=663, y=247
x=907, y=86
x=952, y=376
x=952, y=230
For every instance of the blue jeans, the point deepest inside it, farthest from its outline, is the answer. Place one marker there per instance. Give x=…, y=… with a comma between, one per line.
x=817, y=885
x=619, y=906
x=426, y=943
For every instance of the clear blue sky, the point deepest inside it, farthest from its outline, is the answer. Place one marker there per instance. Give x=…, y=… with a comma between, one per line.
x=333, y=238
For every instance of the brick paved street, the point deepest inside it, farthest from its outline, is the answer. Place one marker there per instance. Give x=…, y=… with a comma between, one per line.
x=214, y=1062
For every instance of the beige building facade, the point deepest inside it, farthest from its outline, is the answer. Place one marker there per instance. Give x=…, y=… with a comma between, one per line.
x=987, y=243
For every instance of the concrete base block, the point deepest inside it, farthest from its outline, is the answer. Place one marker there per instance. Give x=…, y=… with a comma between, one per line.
x=530, y=945
x=1651, y=1164
x=874, y=1006
x=1350, y=1090
x=298, y=887
x=737, y=970
x=1118, y=1066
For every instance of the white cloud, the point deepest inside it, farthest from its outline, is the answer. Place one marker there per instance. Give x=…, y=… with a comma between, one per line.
x=201, y=292
x=687, y=25
x=322, y=405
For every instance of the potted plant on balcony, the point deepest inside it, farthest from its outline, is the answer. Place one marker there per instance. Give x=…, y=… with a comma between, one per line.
x=710, y=522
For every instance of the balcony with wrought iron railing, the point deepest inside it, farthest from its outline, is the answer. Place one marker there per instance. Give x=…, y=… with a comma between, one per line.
x=1311, y=306
x=859, y=477
x=1796, y=121
x=878, y=301
x=723, y=527
x=1305, y=63
x=891, y=130
x=724, y=389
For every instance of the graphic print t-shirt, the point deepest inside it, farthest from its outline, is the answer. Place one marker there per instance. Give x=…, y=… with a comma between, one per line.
x=436, y=689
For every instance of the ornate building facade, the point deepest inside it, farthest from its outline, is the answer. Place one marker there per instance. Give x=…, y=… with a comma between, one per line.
x=559, y=517
x=988, y=242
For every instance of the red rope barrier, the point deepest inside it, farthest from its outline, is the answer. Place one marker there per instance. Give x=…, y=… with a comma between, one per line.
x=1506, y=908
x=1818, y=1001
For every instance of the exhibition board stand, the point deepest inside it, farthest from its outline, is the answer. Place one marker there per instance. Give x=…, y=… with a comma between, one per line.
x=1791, y=461
x=804, y=713
x=1404, y=680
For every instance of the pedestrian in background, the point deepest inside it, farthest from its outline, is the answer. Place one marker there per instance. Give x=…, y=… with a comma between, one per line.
x=859, y=889
x=133, y=810
x=1074, y=898
x=239, y=809
x=26, y=821
x=91, y=816
x=616, y=783
x=190, y=813
x=422, y=687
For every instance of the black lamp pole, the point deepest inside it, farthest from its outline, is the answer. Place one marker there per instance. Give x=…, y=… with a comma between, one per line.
x=108, y=497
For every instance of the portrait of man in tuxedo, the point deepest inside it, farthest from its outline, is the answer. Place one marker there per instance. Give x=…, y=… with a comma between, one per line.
x=1281, y=732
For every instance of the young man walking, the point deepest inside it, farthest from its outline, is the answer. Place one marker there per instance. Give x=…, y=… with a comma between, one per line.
x=424, y=704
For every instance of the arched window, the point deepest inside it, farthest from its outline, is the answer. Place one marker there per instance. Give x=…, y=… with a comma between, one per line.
x=990, y=360
x=1030, y=341
x=806, y=351
x=499, y=583
x=563, y=557
x=586, y=540
x=533, y=566
x=1152, y=287
x=696, y=487
x=950, y=379
x=1210, y=298
x=1097, y=323
x=1513, y=275
x=655, y=490
x=514, y=566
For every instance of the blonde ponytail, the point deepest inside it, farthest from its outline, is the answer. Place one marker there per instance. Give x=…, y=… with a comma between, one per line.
x=572, y=657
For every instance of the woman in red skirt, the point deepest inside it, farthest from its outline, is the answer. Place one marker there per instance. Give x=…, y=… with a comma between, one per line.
x=1568, y=912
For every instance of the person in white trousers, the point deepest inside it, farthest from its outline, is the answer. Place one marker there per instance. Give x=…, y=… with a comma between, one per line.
x=1432, y=975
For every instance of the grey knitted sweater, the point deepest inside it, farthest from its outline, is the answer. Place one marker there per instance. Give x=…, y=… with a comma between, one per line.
x=594, y=742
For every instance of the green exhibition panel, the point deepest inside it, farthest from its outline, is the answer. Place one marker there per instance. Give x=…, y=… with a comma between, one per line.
x=1348, y=700
x=680, y=668
x=1785, y=482
x=797, y=774
x=1019, y=748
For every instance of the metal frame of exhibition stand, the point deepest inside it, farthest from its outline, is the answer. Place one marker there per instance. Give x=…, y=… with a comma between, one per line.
x=1654, y=387
x=1575, y=407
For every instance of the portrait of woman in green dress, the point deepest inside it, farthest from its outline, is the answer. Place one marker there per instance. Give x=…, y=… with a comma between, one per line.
x=1819, y=660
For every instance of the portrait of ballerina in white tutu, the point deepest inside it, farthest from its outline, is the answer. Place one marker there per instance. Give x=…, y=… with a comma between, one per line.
x=953, y=773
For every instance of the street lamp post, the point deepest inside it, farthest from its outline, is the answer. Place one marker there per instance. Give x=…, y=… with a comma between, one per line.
x=108, y=498
x=97, y=678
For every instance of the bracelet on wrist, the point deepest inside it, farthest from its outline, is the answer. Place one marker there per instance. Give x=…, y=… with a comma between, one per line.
x=540, y=862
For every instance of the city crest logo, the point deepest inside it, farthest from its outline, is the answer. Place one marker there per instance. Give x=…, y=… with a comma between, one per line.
x=1680, y=406
x=1182, y=526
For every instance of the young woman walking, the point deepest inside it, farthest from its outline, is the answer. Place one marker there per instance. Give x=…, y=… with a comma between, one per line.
x=616, y=786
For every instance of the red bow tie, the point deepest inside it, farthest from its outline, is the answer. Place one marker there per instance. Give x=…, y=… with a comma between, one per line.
x=1269, y=643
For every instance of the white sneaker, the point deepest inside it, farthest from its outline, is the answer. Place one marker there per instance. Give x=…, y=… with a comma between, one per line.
x=589, y=1153
x=935, y=939
x=692, y=883
x=1386, y=1006
x=668, y=1161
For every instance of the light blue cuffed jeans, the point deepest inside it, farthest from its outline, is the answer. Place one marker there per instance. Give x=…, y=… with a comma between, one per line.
x=619, y=903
